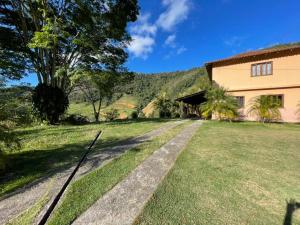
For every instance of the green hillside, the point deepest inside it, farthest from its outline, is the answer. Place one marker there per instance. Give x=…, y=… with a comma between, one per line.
x=142, y=90
x=145, y=87
x=125, y=105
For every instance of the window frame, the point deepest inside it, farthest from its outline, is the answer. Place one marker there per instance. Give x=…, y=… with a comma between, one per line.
x=282, y=99
x=260, y=66
x=237, y=99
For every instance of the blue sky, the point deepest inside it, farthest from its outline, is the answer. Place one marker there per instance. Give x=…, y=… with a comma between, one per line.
x=188, y=33
x=175, y=35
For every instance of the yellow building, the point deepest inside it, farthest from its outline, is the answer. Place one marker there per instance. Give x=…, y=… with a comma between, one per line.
x=273, y=72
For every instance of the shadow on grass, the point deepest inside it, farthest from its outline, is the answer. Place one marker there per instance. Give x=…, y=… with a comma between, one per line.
x=291, y=207
x=32, y=167
x=25, y=167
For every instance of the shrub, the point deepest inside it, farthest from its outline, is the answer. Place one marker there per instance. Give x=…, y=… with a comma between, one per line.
x=7, y=141
x=49, y=102
x=134, y=115
x=76, y=119
x=112, y=115
x=266, y=108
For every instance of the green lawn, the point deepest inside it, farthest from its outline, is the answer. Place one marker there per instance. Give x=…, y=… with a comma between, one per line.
x=231, y=173
x=96, y=183
x=46, y=149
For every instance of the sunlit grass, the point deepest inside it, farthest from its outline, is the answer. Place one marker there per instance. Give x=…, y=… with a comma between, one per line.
x=231, y=173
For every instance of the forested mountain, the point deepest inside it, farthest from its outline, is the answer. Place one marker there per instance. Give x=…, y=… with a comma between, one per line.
x=145, y=87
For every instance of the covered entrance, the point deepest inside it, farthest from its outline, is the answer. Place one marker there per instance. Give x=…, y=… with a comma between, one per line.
x=190, y=104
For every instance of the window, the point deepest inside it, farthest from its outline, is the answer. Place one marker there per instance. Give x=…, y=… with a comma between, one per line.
x=253, y=70
x=278, y=98
x=241, y=101
x=262, y=69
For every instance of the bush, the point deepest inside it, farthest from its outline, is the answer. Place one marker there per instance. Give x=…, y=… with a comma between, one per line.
x=49, y=102
x=8, y=141
x=165, y=114
x=112, y=115
x=134, y=115
x=76, y=119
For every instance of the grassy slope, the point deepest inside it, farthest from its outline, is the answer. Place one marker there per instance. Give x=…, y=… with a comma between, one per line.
x=124, y=105
x=240, y=173
x=49, y=148
x=103, y=179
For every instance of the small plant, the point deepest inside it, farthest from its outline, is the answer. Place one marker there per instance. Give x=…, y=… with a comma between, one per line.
x=134, y=115
x=266, y=108
x=112, y=115
x=76, y=119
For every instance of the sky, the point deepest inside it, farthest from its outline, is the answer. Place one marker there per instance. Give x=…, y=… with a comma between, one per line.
x=172, y=35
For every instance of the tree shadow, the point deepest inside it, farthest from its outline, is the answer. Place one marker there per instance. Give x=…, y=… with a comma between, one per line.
x=38, y=165
x=42, y=163
x=291, y=207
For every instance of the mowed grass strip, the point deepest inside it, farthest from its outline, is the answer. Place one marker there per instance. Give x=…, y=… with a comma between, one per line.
x=47, y=149
x=87, y=190
x=231, y=173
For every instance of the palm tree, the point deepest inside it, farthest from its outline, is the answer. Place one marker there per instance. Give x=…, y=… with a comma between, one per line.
x=164, y=105
x=266, y=108
x=220, y=104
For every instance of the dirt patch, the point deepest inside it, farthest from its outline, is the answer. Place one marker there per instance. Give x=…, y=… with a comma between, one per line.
x=149, y=109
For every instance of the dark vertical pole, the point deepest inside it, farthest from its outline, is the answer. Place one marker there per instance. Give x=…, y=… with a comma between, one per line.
x=55, y=201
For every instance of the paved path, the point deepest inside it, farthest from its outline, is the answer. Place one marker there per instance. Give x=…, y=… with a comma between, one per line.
x=15, y=203
x=123, y=204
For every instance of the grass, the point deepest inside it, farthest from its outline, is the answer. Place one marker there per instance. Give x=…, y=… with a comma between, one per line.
x=28, y=217
x=231, y=173
x=47, y=149
x=125, y=106
x=95, y=184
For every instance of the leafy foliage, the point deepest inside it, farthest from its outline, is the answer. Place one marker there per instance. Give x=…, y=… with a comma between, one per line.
x=266, y=108
x=219, y=104
x=167, y=108
x=99, y=86
x=49, y=102
x=54, y=38
x=146, y=87
x=15, y=105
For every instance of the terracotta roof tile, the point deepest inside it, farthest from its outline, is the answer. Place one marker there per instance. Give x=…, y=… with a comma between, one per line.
x=253, y=54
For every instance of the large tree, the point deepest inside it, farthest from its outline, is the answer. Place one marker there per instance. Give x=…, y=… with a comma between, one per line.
x=53, y=38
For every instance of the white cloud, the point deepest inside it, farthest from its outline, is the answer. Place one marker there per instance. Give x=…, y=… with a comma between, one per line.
x=177, y=11
x=141, y=46
x=170, y=41
x=144, y=32
x=143, y=37
x=143, y=27
x=181, y=50
x=235, y=41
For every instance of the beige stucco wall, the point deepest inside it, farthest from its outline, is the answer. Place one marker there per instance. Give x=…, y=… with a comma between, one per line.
x=290, y=101
x=286, y=72
x=286, y=79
